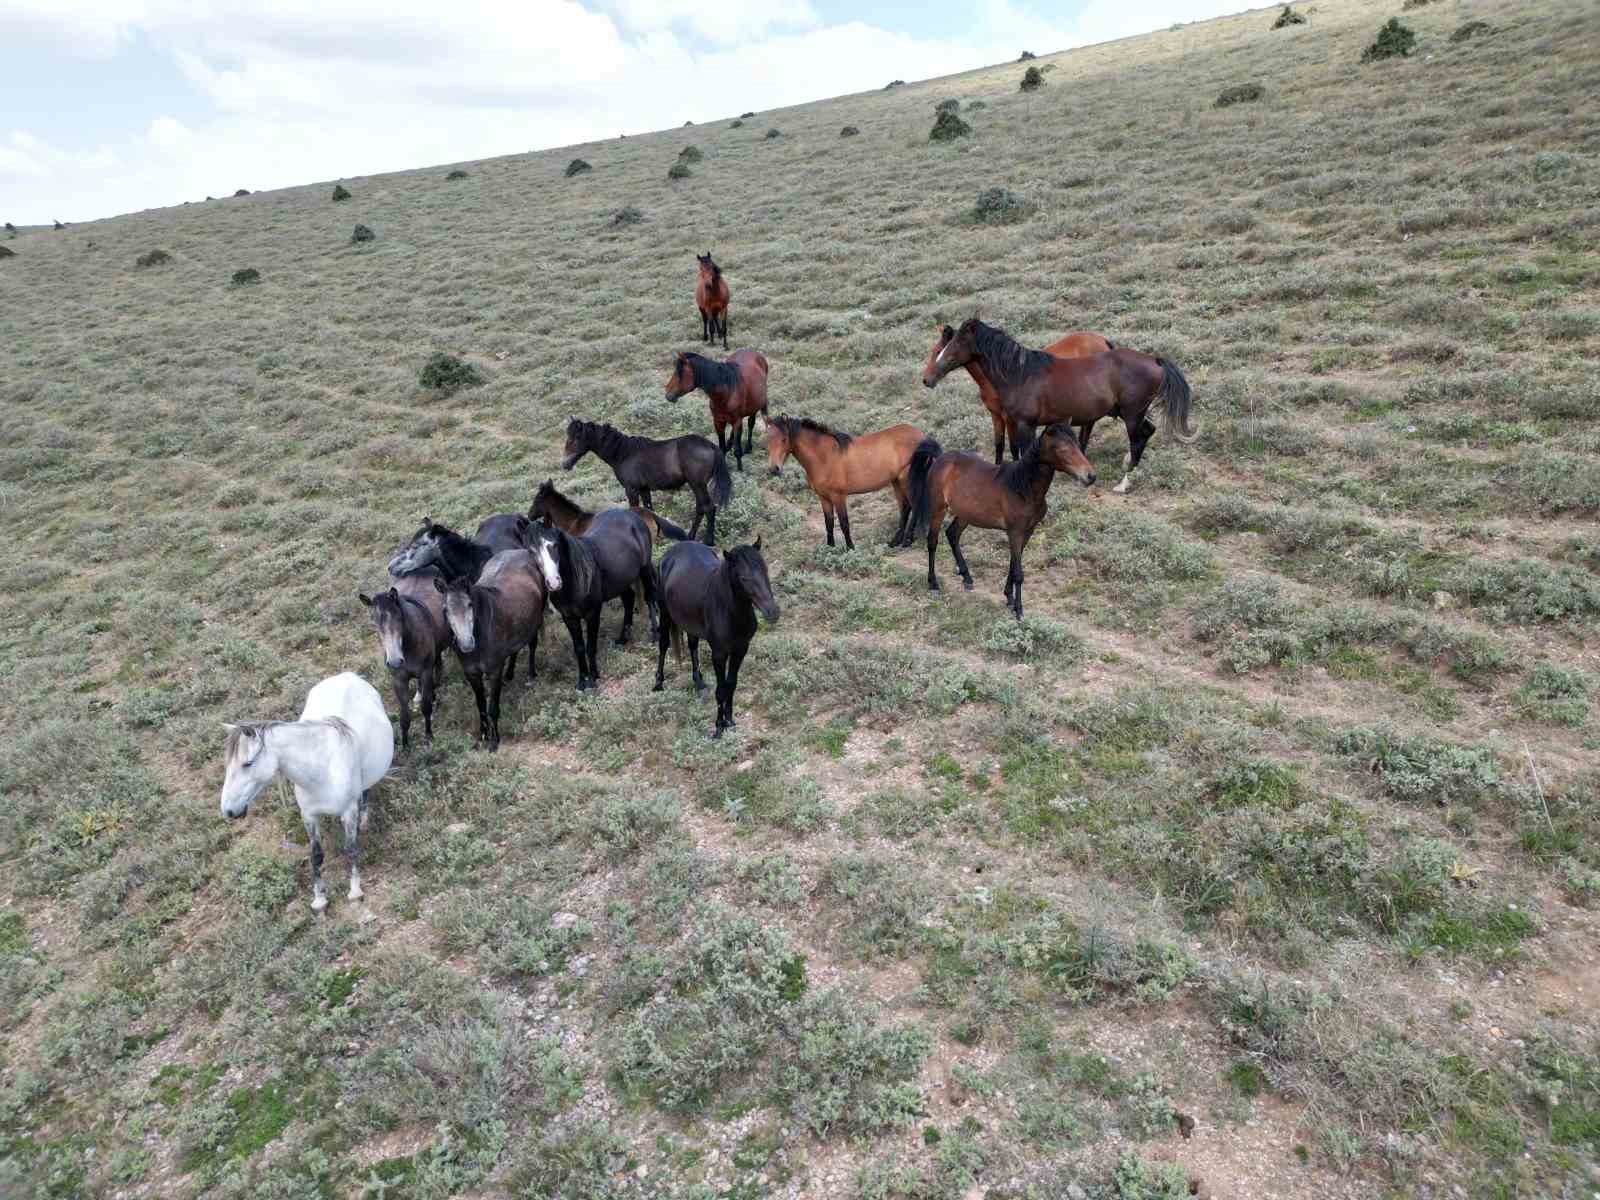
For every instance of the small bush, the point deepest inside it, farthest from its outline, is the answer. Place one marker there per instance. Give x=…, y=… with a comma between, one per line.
x=1239, y=93
x=1410, y=4
x=746, y=116
x=894, y=83
x=456, y=174
x=1423, y=770
x=577, y=167
x=154, y=258
x=11, y=230
x=339, y=193
x=1027, y=56
x=1000, y=206
x=946, y=106
x=246, y=276
x=1394, y=41
x=774, y=133
x=242, y=192
x=628, y=215
x=363, y=234
x=949, y=127
x=739, y=124
x=1554, y=694
x=849, y=131
x=1288, y=17
x=7, y=252
x=446, y=373
x=1032, y=79
x=1471, y=29
x=679, y=170
x=690, y=154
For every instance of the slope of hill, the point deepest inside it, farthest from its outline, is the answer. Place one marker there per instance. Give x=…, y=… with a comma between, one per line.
x=1274, y=821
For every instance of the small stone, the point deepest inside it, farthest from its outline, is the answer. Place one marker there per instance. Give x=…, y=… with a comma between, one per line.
x=457, y=827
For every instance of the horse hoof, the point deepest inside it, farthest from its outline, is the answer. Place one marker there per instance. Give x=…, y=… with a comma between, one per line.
x=659, y=686
x=356, y=893
x=318, y=903
x=967, y=584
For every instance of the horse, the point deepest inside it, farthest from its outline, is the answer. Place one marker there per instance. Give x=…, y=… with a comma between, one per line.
x=737, y=387
x=333, y=755
x=711, y=298
x=1037, y=389
x=413, y=633
x=838, y=466
x=553, y=508
x=491, y=618
x=715, y=599
x=1074, y=345
x=642, y=464
x=608, y=561
x=457, y=557
x=1009, y=497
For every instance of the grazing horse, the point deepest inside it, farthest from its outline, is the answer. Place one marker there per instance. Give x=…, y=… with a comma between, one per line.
x=711, y=298
x=413, y=633
x=607, y=562
x=1074, y=345
x=641, y=465
x=341, y=745
x=716, y=599
x=838, y=466
x=493, y=617
x=457, y=557
x=737, y=387
x=1009, y=497
x=1037, y=389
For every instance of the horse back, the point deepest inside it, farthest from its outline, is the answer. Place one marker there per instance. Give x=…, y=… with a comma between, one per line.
x=519, y=597
x=353, y=700
x=685, y=574
x=1078, y=345
x=503, y=531
x=621, y=544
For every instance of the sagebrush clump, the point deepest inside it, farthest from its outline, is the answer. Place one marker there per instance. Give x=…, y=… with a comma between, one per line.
x=949, y=127
x=362, y=233
x=849, y=131
x=447, y=373
x=774, y=133
x=340, y=192
x=1239, y=93
x=690, y=154
x=7, y=252
x=627, y=215
x=458, y=173
x=1032, y=79
x=246, y=275
x=153, y=258
x=577, y=167
x=1394, y=41
x=679, y=170
x=1288, y=17
x=1000, y=206
x=1471, y=29
x=242, y=192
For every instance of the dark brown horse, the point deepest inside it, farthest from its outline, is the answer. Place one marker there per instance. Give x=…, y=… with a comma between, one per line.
x=413, y=633
x=1038, y=389
x=736, y=386
x=552, y=507
x=711, y=298
x=713, y=597
x=1009, y=497
x=643, y=464
x=839, y=466
x=1074, y=345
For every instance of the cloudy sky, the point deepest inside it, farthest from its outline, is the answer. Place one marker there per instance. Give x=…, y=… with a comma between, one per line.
x=110, y=106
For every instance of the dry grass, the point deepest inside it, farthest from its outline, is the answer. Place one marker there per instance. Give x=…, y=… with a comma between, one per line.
x=1278, y=812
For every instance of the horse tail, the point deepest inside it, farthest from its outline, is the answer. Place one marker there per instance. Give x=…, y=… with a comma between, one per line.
x=1176, y=395
x=663, y=527
x=676, y=636
x=721, y=481
x=922, y=460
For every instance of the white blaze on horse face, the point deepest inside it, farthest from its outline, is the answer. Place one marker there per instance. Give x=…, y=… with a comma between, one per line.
x=549, y=567
x=458, y=612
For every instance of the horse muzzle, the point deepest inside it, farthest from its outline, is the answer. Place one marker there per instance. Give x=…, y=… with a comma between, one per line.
x=776, y=471
x=771, y=615
x=236, y=816
x=1088, y=480
x=569, y=462
x=672, y=395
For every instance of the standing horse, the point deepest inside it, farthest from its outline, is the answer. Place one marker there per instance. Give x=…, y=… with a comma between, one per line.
x=491, y=619
x=606, y=562
x=1039, y=389
x=711, y=298
x=737, y=387
x=413, y=633
x=341, y=745
x=1009, y=497
x=457, y=557
x=1074, y=345
x=551, y=507
x=838, y=466
x=641, y=465
x=716, y=599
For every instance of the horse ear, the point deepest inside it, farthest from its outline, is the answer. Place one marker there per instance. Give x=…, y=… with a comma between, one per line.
x=756, y=545
x=394, y=594
x=439, y=584
x=366, y=599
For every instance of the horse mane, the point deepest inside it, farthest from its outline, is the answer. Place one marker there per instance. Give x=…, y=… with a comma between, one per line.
x=791, y=425
x=607, y=440
x=1006, y=361
x=716, y=271
x=580, y=575
x=340, y=726
x=240, y=731
x=1023, y=473
x=709, y=373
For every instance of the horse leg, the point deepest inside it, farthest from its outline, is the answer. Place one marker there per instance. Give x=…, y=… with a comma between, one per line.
x=1016, y=442
x=593, y=622
x=497, y=681
x=705, y=326
x=352, y=849
x=663, y=637
x=999, y=423
x=702, y=505
x=724, y=329
x=827, y=516
x=533, y=649
x=1138, y=435
x=724, y=693
x=647, y=584
x=935, y=521
x=953, y=536
x=475, y=678
x=319, y=895
x=575, y=632
x=750, y=435
x=402, y=696
x=426, y=682
x=1019, y=542
x=1084, y=431
x=510, y=672
x=843, y=506
x=735, y=661
x=738, y=447
x=711, y=527
x=644, y=498
x=1024, y=435
x=722, y=442
x=902, y=532
x=694, y=663
x=627, y=617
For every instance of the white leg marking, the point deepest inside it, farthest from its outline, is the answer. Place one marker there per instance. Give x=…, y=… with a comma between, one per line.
x=1122, y=487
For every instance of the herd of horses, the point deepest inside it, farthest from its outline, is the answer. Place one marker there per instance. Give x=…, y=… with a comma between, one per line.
x=485, y=597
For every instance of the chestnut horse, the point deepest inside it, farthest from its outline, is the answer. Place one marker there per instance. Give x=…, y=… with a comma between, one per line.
x=838, y=466
x=1037, y=389
x=1009, y=497
x=737, y=387
x=1074, y=345
x=711, y=297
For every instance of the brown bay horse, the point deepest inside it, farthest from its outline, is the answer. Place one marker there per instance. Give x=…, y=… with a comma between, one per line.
x=1009, y=497
x=737, y=388
x=711, y=298
x=838, y=466
x=1074, y=345
x=1038, y=389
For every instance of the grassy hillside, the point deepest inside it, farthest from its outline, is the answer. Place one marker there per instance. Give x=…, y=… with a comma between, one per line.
x=1277, y=815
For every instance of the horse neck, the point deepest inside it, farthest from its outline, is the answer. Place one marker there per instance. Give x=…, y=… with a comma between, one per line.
x=465, y=557
x=1040, y=479
x=714, y=378
x=311, y=755
x=808, y=450
x=564, y=512
x=979, y=376
x=611, y=449
x=728, y=596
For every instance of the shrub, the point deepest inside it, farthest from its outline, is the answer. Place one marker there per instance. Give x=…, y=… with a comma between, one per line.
x=1032, y=79
x=457, y=174
x=1410, y=4
x=1239, y=93
x=627, y=215
x=242, y=192
x=679, y=170
x=894, y=83
x=773, y=133
x=737, y=125
x=849, y=131
x=7, y=252
x=339, y=192
x=11, y=230
x=1421, y=769
x=446, y=373
x=1000, y=206
x=246, y=275
x=948, y=127
x=363, y=234
x=1394, y=41
x=746, y=115
x=1288, y=17
x=1027, y=56
x=690, y=154
x=946, y=106
x=577, y=167
x=1471, y=29
x=155, y=258
x=1554, y=694
x=59, y=226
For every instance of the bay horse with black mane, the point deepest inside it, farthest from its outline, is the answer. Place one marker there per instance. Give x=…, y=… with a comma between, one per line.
x=713, y=597
x=1009, y=497
x=1039, y=389
x=736, y=388
x=1074, y=345
x=642, y=464
x=711, y=298
x=838, y=466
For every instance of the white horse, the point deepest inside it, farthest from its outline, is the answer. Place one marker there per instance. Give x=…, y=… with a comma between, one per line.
x=341, y=745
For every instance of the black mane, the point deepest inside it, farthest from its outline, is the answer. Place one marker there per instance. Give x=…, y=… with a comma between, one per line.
x=606, y=440
x=710, y=374
x=1021, y=475
x=790, y=425
x=1006, y=361
x=716, y=271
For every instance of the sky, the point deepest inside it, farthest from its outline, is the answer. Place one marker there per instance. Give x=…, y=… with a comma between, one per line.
x=113, y=106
